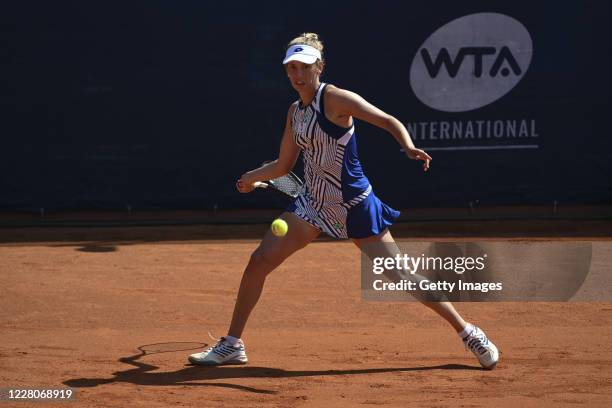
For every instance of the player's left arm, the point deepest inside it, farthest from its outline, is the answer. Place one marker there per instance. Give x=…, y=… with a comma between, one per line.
x=346, y=103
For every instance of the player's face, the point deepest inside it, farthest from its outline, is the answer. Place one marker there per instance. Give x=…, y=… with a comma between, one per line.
x=303, y=76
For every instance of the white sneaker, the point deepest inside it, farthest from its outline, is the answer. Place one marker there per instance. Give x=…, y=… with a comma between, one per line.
x=482, y=347
x=221, y=353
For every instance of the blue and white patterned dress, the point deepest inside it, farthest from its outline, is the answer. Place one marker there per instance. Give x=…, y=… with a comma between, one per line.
x=338, y=197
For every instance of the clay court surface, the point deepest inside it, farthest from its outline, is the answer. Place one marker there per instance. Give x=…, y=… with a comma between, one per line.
x=74, y=312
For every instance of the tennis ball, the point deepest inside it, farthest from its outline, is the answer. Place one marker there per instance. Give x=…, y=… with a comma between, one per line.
x=279, y=227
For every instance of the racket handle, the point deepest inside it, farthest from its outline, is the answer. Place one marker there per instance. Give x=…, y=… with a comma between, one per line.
x=260, y=184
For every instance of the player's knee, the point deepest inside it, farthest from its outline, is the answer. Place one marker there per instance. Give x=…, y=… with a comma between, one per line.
x=261, y=261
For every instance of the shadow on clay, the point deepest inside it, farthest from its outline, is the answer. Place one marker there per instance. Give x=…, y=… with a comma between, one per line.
x=191, y=375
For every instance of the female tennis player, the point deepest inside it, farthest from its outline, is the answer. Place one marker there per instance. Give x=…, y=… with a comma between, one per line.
x=338, y=198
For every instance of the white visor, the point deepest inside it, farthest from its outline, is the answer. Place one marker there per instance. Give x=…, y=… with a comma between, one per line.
x=302, y=53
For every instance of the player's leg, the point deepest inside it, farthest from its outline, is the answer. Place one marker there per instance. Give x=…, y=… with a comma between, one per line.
x=270, y=253
x=383, y=245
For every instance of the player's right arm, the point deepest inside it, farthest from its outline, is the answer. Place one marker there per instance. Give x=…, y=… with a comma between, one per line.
x=288, y=154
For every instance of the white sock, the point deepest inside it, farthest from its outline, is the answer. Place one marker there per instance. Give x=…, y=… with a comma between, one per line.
x=233, y=341
x=467, y=330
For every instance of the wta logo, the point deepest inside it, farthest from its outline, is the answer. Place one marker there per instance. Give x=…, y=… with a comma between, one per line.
x=471, y=62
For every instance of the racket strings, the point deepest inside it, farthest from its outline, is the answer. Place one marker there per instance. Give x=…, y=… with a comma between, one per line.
x=288, y=184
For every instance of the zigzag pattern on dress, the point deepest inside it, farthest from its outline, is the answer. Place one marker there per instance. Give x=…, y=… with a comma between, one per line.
x=322, y=204
x=304, y=211
x=330, y=219
x=302, y=121
x=323, y=155
x=334, y=219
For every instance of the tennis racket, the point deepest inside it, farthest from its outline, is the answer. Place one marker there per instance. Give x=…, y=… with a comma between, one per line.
x=289, y=184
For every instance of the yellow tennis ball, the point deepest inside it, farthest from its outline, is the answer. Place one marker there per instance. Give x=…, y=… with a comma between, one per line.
x=279, y=227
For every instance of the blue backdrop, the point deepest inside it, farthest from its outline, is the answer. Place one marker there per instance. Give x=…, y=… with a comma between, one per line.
x=163, y=105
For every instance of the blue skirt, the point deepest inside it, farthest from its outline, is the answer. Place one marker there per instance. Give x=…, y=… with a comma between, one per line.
x=367, y=218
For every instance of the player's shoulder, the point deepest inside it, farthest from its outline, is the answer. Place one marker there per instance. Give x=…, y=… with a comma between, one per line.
x=334, y=94
x=334, y=90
